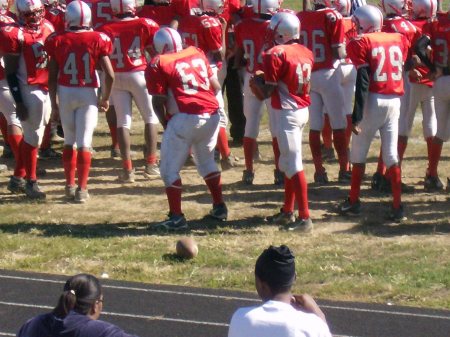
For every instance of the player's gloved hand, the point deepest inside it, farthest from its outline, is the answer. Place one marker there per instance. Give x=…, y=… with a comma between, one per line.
x=256, y=85
x=21, y=111
x=103, y=105
x=356, y=129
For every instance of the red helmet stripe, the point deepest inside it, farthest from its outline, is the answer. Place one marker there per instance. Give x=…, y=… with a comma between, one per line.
x=259, y=6
x=431, y=8
x=81, y=13
x=121, y=6
x=174, y=44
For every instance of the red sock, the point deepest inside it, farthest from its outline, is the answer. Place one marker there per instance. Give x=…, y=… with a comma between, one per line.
x=401, y=148
x=340, y=144
x=113, y=132
x=29, y=155
x=327, y=132
x=289, y=195
x=151, y=159
x=46, y=139
x=214, y=183
x=222, y=143
x=4, y=128
x=15, y=141
x=249, y=149
x=173, y=193
x=395, y=176
x=435, y=156
x=348, y=130
x=83, y=167
x=429, y=141
x=276, y=151
x=316, y=151
x=357, y=174
x=69, y=157
x=301, y=194
x=381, y=168
x=127, y=164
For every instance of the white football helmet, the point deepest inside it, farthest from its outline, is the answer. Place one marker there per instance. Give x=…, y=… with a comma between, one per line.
x=395, y=7
x=326, y=3
x=31, y=12
x=424, y=8
x=265, y=6
x=284, y=27
x=78, y=14
x=4, y=5
x=212, y=6
x=343, y=6
x=167, y=40
x=123, y=6
x=368, y=19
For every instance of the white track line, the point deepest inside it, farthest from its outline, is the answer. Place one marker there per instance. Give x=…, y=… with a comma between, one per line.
x=7, y=334
x=386, y=312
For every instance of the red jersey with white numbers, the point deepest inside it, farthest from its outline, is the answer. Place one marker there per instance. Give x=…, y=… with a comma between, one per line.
x=129, y=37
x=400, y=25
x=384, y=54
x=422, y=69
x=29, y=45
x=57, y=17
x=183, y=77
x=162, y=15
x=77, y=54
x=204, y=32
x=349, y=31
x=438, y=32
x=250, y=37
x=100, y=11
x=322, y=30
x=289, y=68
x=5, y=21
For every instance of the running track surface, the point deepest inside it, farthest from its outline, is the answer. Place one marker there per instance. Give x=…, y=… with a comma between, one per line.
x=170, y=311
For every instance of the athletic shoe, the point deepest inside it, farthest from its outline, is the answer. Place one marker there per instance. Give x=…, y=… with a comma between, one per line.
x=347, y=208
x=48, y=154
x=219, y=212
x=115, y=153
x=345, y=177
x=7, y=152
x=433, y=184
x=397, y=214
x=328, y=154
x=3, y=168
x=278, y=177
x=81, y=196
x=173, y=223
x=33, y=191
x=321, y=178
x=247, y=177
x=126, y=177
x=229, y=162
x=16, y=185
x=281, y=218
x=376, y=181
x=56, y=138
x=41, y=172
x=299, y=225
x=152, y=171
x=70, y=191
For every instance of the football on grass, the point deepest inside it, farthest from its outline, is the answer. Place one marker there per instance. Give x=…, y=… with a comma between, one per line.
x=187, y=248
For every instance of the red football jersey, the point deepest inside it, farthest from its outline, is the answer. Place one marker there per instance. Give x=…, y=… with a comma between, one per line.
x=384, y=54
x=289, y=68
x=420, y=25
x=29, y=44
x=5, y=21
x=77, y=54
x=204, y=32
x=250, y=37
x=162, y=15
x=184, y=78
x=400, y=25
x=57, y=17
x=322, y=30
x=130, y=37
x=438, y=32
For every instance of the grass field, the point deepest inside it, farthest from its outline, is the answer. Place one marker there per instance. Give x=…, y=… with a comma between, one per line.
x=362, y=259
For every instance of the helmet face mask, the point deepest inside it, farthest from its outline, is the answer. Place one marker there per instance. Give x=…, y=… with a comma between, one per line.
x=166, y=41
x=120, y=7
x=31, y=13
x=78, y=15
x=368, y=19
x=284, y=27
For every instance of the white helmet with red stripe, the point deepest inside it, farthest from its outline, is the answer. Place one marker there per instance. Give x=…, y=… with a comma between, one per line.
x=343, y=6
x=424, y=8
x=31, y=12
x=368, y=19
x=285, y=27
x=395, y=7
x=265, y=6
x=212, y=6
x=123, y=6
x=78, y=14
x=167, y=40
